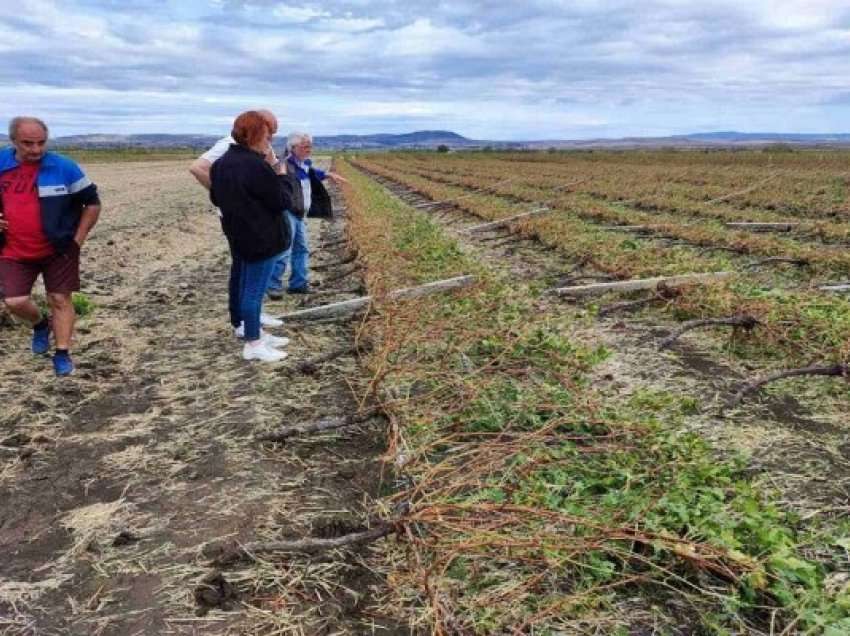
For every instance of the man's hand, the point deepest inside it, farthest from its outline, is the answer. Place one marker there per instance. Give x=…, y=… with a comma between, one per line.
x=87, y=220
x=3, y=222
x=336, y=178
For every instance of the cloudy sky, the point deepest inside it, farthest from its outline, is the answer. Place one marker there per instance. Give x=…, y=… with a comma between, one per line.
x=521, y=69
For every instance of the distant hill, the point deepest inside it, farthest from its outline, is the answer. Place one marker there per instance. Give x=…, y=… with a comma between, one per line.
x=431, y=139
x=419, y=139
x=738, y=137
x=134, y=141
x=722, y=139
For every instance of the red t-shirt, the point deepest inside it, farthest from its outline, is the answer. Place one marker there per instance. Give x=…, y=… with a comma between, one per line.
x=25, y=239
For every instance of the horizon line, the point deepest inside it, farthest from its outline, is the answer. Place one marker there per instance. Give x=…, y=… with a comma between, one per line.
x=472, y=139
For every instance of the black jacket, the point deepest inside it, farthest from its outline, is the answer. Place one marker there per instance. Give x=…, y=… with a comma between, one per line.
x=320, y=200
x=252, y=199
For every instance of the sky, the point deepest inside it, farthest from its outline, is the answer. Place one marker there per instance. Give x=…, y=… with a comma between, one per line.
x=513, y=70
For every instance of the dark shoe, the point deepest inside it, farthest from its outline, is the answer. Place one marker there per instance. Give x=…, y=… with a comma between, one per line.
x=41, y=340
x=300, y=290
x=275, y=294
x=62, y=364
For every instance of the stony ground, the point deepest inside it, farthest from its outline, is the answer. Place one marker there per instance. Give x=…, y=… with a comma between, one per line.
x=114, y=481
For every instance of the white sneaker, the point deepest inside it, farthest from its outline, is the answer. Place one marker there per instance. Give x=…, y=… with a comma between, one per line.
x=265, y=336
x=262, y=352
x=270, y=321
x=273, y=341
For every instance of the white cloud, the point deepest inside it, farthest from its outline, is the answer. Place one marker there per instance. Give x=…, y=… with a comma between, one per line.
x=423, y=38
x=395, y=109
x=540, y=68
x=797, y=16
x=289, y=13
x=352, y=25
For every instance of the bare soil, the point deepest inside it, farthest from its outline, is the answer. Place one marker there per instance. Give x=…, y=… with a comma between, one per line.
x=116, y=483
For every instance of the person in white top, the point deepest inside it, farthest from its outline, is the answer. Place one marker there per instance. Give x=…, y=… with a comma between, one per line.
x=200, y=169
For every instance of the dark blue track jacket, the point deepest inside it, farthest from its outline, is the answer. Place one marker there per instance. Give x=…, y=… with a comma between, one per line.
x=63, y=191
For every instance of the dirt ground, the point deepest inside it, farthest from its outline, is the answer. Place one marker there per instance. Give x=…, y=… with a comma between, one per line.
x=795, y=441
x=115, y=482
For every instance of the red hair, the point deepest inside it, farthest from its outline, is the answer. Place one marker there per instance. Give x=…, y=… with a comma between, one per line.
x=250, y=128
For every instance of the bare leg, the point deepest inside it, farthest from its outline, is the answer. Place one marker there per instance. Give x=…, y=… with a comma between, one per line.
x=24, y=308
x=63, y=319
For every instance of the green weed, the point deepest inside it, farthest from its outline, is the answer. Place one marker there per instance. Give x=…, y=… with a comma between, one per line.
x=83, y=305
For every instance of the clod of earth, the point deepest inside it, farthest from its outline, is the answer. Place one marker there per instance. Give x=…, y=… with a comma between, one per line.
x=350, y=258
x=16, y=440
x=214, y=592
x=125, y=537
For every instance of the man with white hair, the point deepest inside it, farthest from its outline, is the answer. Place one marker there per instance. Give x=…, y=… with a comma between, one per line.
x=310, y=199
x=200, y=169
x=48, y=206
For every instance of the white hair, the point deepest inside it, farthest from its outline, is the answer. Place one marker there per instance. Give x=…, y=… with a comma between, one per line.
x=18, y=121
x=295, y=138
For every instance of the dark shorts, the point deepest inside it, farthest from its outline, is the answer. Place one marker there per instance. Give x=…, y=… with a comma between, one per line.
x=61, y=273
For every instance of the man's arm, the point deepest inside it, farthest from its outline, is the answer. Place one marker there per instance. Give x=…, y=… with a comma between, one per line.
x=88, y=218
x=84, y=194
x=333, y=176
x=200, y=169
x=336, y=178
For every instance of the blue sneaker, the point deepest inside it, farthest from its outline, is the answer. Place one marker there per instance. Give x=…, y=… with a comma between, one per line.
x=41, y=340
x=62, y=364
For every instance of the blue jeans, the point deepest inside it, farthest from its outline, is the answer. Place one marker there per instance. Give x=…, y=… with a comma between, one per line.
x=297, y=255
x=233, y=287
x=276, y=278
x=233, y=290
x=248, y=281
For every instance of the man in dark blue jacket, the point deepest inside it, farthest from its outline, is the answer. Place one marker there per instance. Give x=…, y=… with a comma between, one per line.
x=48, y=206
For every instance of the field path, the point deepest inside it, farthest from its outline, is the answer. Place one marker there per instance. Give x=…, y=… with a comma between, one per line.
x=113, y=482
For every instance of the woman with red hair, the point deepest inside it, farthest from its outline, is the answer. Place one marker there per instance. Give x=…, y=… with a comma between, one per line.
x=251, y=196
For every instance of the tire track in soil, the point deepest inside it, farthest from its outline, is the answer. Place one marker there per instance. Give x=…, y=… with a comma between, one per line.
x=113, y=481
x=801, y=453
